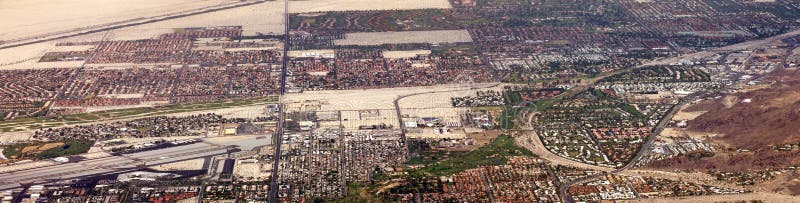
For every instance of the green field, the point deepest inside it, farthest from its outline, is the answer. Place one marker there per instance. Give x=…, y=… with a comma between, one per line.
x=506, y=118
x=67, y=149
x=493, y=154
x=13, y=151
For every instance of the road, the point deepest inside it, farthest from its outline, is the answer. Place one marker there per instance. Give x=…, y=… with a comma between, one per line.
x=642, y=150
x=278, y=136
x=646, y=146
x=672, y=60
x=745, y=197
x=109, y=165
x=396, y=102
x=735, y=47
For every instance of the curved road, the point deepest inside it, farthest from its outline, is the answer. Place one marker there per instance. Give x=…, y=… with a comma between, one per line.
x=646, y=146
x=400, y=115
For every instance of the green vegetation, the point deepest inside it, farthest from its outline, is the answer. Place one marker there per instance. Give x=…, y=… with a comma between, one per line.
x=423, y=153
x=13, y=151
x=493, y=154
x=631, y=110
x=458, y=49
x=506, y=119
x=70, y=148
x=357, y=193
x=512, y=97
x=541, y=105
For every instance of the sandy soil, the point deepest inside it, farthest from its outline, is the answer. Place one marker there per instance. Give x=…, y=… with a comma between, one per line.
x=41, y=147
x=353, y=119
x=439, y=99
x=729, y=101
x=264, y=18
x=35, y=17
x=405, y=54
x=194, y=164
x=14, y=137
x=765, y=197
x=683, y=115
x=377, y=38
x=376, y=98
x=428, y=133
x=695, y=177
x=249, y=170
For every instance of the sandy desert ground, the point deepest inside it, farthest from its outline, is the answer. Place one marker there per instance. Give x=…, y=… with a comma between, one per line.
x=405, y=54
x=333, y=100
x=249, y=170
x=765, y=197
x=194, y=164
x=378, y=38
x=35, y=17
x=353, y=119
x=263, y=18
x=12, y=137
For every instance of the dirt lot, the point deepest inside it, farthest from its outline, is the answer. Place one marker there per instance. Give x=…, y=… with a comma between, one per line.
x=35, y=17
x=405, y=54
x=41, y=147
x=333, y=100
x=765, y=197
x=194, y=164
x=264, y=18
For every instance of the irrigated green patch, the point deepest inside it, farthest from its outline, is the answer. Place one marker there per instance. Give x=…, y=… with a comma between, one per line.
x=56, y=149
x=69, y=148
x=494, y=154
x=506, y=119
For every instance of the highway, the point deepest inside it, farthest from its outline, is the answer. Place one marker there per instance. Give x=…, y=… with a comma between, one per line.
x=109, y=165
x=646, y=146
x=278, y=136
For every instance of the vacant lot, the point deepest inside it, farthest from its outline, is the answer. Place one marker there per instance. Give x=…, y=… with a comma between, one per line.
x=35, y=17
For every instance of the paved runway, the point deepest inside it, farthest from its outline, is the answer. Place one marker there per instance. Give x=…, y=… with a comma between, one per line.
x=109, y=165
